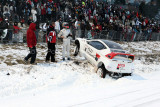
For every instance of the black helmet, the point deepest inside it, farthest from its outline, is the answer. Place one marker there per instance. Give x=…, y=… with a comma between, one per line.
x=51, y=28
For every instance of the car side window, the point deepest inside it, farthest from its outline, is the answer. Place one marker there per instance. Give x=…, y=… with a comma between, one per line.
x=96, y=44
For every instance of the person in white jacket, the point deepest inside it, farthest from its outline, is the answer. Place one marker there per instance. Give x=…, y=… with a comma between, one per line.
x=34, y=12
x=57, y=26
x=65, y=34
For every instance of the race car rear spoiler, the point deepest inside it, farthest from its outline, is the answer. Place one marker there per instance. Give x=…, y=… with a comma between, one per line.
x=113, y=54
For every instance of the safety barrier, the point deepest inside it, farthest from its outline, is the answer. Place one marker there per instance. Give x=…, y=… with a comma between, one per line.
x=20, y=36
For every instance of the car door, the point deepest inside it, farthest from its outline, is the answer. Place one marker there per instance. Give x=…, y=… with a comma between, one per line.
x=93, y=48
x=89, y=52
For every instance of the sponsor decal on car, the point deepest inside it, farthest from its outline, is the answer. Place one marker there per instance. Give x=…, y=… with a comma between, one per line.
x=97, y=57
x=120, y=66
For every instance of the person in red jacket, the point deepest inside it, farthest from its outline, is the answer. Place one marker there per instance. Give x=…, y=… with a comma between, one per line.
x=51, y=41
x=43, y=12
x=31, y=42
x=16, y=32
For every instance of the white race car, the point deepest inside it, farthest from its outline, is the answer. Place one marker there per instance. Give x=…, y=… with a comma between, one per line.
x=107, y=56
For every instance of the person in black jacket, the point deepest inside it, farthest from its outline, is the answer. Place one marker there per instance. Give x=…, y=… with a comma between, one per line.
x=88, y=28
x=30, y=20
x=1, y=13
x=83, y=27
x=3, y=25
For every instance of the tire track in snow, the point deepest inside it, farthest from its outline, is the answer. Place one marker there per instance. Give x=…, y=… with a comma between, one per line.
x=92, y=101
x=144, y=99
x=139, y=97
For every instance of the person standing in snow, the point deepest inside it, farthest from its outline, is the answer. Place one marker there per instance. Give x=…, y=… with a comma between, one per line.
x=31, y=42
x=51, y=41
x=65, y=34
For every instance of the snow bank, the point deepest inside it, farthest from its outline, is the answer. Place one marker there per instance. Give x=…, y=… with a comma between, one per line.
x=68, y=84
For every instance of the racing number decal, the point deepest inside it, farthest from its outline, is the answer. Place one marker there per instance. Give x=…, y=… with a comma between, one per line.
x=89, y=51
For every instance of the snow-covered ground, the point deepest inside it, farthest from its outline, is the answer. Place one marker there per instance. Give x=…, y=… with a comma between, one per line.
x=66, y=84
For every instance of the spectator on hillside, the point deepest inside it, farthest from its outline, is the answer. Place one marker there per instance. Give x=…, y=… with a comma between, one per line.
x=15, y=37
x=88, y=28
x=15, y=18
x=38, y=9
x=83, y=28
x=43, y=13
x=6, y=13
x=49, y=13
x=96, y=12
x=10, y=32
x=30, y=20
x=57, y=26
x=4, y=29
x=37, y=30
x=34, y=12
x=6, y=7
x=1, y=26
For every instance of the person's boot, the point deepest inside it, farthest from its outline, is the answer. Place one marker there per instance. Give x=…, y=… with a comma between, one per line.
x=47, y=61
x=68, y=59
x=53, y=60
x=25, y=61
x=33, y=63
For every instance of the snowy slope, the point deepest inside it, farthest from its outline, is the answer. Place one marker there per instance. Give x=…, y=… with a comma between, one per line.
x=66, y=84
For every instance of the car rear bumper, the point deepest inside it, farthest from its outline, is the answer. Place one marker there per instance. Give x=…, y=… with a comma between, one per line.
x=120, y=67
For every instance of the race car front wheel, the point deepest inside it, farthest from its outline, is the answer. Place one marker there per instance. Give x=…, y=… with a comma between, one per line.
x=101, y=71
x=76, y=51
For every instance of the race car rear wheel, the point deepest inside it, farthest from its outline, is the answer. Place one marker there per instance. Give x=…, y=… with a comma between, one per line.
x=101, y=71
x=127, y=74
x=115, y=75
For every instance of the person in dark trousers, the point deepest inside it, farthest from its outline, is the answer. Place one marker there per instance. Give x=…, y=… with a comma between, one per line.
x=3, y=26
x=31, y=42
x=51, y=41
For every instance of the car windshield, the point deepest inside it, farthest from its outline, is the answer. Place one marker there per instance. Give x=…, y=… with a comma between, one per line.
x=117, y=50
x=112, y=45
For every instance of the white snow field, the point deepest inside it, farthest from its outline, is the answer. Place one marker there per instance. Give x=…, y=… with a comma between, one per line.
x=66, y=84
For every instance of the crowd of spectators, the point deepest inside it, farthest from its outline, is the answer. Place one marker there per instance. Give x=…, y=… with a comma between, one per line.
x=87, y=18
